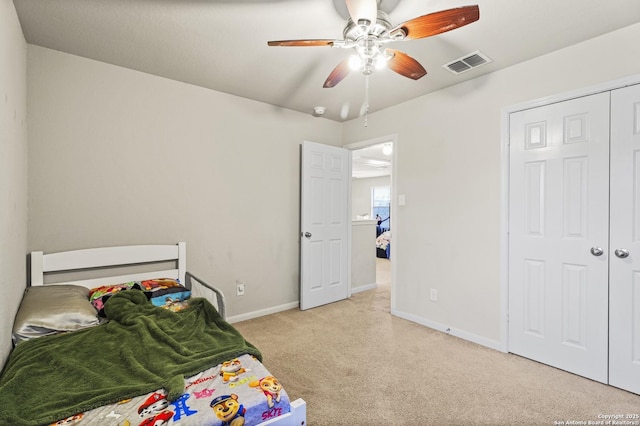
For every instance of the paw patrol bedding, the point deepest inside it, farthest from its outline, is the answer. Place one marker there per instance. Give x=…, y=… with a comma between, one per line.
x=239, y=391
x=145, y=366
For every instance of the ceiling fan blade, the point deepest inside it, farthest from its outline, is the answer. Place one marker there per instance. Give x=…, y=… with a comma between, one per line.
x=363, y=9
x=337, y=75
x=438, y=22
x=405, y=65
x=301, y=43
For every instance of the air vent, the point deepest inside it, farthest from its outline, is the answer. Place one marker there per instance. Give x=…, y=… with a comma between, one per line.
x=467, y=62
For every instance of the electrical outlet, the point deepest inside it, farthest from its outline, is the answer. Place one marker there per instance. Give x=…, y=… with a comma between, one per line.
x=239, y=288
x=434, y=295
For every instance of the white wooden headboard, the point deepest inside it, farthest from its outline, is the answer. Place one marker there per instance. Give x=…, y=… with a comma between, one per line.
x=104, y=257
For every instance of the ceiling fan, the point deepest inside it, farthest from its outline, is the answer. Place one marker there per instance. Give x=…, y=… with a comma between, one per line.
x=368, y=30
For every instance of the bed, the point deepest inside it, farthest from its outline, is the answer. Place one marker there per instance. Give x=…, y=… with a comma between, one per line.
x=383, y=245
x=117, y=336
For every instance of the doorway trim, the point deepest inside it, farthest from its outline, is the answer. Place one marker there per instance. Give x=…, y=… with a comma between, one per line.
x=504, y=182
x=393, y=138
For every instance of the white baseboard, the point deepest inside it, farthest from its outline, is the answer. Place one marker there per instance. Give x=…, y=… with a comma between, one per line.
x=287, y=306
x=489, y=343
x=263, y=312
x=363, y=287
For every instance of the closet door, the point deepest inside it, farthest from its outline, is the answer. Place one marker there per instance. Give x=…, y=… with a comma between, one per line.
x=624, y=349
x=558, y=235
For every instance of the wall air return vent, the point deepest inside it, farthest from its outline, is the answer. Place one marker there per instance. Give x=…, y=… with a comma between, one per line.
x=467, y=62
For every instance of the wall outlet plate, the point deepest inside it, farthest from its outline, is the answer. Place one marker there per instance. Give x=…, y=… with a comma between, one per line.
x=434, y=295
x=239, y=289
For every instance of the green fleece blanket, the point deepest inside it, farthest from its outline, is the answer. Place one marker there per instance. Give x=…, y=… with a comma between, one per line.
x=141, y=349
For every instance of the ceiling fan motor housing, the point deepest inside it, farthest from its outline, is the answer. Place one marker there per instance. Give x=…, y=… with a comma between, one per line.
x=354, y=32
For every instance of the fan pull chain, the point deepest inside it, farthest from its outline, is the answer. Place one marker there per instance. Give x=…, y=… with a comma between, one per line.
x=366, y=100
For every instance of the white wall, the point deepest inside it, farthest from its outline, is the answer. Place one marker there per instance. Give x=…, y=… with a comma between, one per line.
x=361, y=194
x=122, y=157
x=363, y=254
x=447, y=236
x=13, y=170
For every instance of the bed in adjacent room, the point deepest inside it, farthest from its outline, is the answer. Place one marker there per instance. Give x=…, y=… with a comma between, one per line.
x=383, y=245
x=133, y=349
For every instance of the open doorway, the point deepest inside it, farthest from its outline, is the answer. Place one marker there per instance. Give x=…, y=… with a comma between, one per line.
x=371, y=209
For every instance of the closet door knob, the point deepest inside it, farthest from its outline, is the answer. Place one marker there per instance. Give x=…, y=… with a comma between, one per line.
x=596, y=251
x=622, y=253
x=307, y=234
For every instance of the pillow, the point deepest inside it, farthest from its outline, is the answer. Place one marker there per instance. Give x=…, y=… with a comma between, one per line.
x=164, y=291
x=50, y=309
x=98, y=296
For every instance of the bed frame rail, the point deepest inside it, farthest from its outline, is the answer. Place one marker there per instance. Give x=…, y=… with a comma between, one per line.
x=104, y=257
x=189, y=280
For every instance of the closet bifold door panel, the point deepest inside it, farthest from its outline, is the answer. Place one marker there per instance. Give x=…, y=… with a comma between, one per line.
x=574, y=236
x=624, y=257
x=558, y=235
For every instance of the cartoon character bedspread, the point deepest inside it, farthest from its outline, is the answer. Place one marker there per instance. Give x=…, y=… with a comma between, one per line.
x=238, y=392
x=140, y=349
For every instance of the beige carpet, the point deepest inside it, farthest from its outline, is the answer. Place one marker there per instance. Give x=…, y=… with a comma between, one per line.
x=355, y=364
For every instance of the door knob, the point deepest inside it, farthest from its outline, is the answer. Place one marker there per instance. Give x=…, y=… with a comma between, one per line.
x=596, y=251
x=622, y=253
x=307, y=234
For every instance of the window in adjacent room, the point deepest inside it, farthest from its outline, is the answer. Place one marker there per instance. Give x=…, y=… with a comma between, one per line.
x=381, y=204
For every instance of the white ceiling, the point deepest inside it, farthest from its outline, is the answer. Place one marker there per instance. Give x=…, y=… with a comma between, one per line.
x=371, y=161
x=222, y=44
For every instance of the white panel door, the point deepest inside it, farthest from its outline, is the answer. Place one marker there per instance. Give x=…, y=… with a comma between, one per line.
x=558, y=289
x=324, y=250
x=624, y=275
